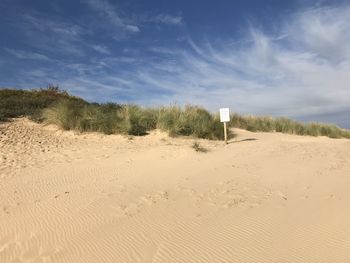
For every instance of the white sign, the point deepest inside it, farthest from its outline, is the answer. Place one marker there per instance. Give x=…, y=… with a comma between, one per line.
x=224, y=114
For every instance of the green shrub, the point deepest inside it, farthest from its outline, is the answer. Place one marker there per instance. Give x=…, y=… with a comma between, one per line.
x=346, y=134
x=29, y=103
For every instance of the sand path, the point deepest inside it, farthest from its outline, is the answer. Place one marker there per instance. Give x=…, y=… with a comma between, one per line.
x=93, y=198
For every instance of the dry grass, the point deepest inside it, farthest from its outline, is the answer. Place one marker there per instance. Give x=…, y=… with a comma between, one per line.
x=198, y=148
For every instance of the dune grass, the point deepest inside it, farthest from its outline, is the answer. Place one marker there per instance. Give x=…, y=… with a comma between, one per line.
x=191, y=120
x=53, y=106
x=285, y=125
x=82, y=116
x=133, y=120
x=199, y=148
x=29, y=103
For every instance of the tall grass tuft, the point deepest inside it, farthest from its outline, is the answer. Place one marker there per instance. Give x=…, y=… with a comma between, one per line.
x=199, y=148
x=191, y=120
x=139, y=120
x=107, y=118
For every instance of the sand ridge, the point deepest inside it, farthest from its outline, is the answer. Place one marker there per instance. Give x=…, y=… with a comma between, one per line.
x=68, y=197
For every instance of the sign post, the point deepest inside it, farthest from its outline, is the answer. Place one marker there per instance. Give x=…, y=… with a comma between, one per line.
x=225, y=117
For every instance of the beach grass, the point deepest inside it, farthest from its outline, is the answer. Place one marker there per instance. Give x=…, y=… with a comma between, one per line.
x=285, y=125
x=199, y=148
x=54, y=106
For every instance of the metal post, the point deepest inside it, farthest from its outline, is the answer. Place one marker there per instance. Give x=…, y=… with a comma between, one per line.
x=225, y=132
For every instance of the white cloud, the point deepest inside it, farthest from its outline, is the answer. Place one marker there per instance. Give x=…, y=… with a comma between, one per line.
x=324, y=31
x=168, y=19
x=101, y=49
x=132, y=28
x=303, y=70
x=300, y=71
x=21, y=54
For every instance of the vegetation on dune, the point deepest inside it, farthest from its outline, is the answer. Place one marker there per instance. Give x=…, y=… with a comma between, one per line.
x=82, y=116
x=134, y=120
x=285, y=125
x=51, y=105
x=29, y=103
x=199, y=148
x=191, y=120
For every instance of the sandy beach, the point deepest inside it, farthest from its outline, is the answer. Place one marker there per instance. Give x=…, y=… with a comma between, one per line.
x=264, y=197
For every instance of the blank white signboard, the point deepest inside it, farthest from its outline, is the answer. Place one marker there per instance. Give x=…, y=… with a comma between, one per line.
x=224, y=114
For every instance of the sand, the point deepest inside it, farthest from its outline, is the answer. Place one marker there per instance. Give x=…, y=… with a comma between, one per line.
x=264, y=197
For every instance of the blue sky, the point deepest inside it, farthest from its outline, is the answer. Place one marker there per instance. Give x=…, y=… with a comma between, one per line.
x=272, y=57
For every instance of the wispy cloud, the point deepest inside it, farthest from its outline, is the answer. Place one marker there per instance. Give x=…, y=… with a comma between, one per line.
x=302, y=70
x=108, y=11
x=55, y=26
x=52, y=34
x=299, y=71
x=21, y=54
x=125, y=25
x=324, y=31
x=168, y=19
x=100, y=48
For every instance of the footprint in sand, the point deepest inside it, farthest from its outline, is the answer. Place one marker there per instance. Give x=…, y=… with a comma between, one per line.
x=155, y=198
x=282, y=195
x=65, y=193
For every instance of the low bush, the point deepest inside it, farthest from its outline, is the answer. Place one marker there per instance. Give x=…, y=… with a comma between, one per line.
x=29, y=103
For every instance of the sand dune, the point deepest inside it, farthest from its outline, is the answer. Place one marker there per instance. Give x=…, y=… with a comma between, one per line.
x=67, y=197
